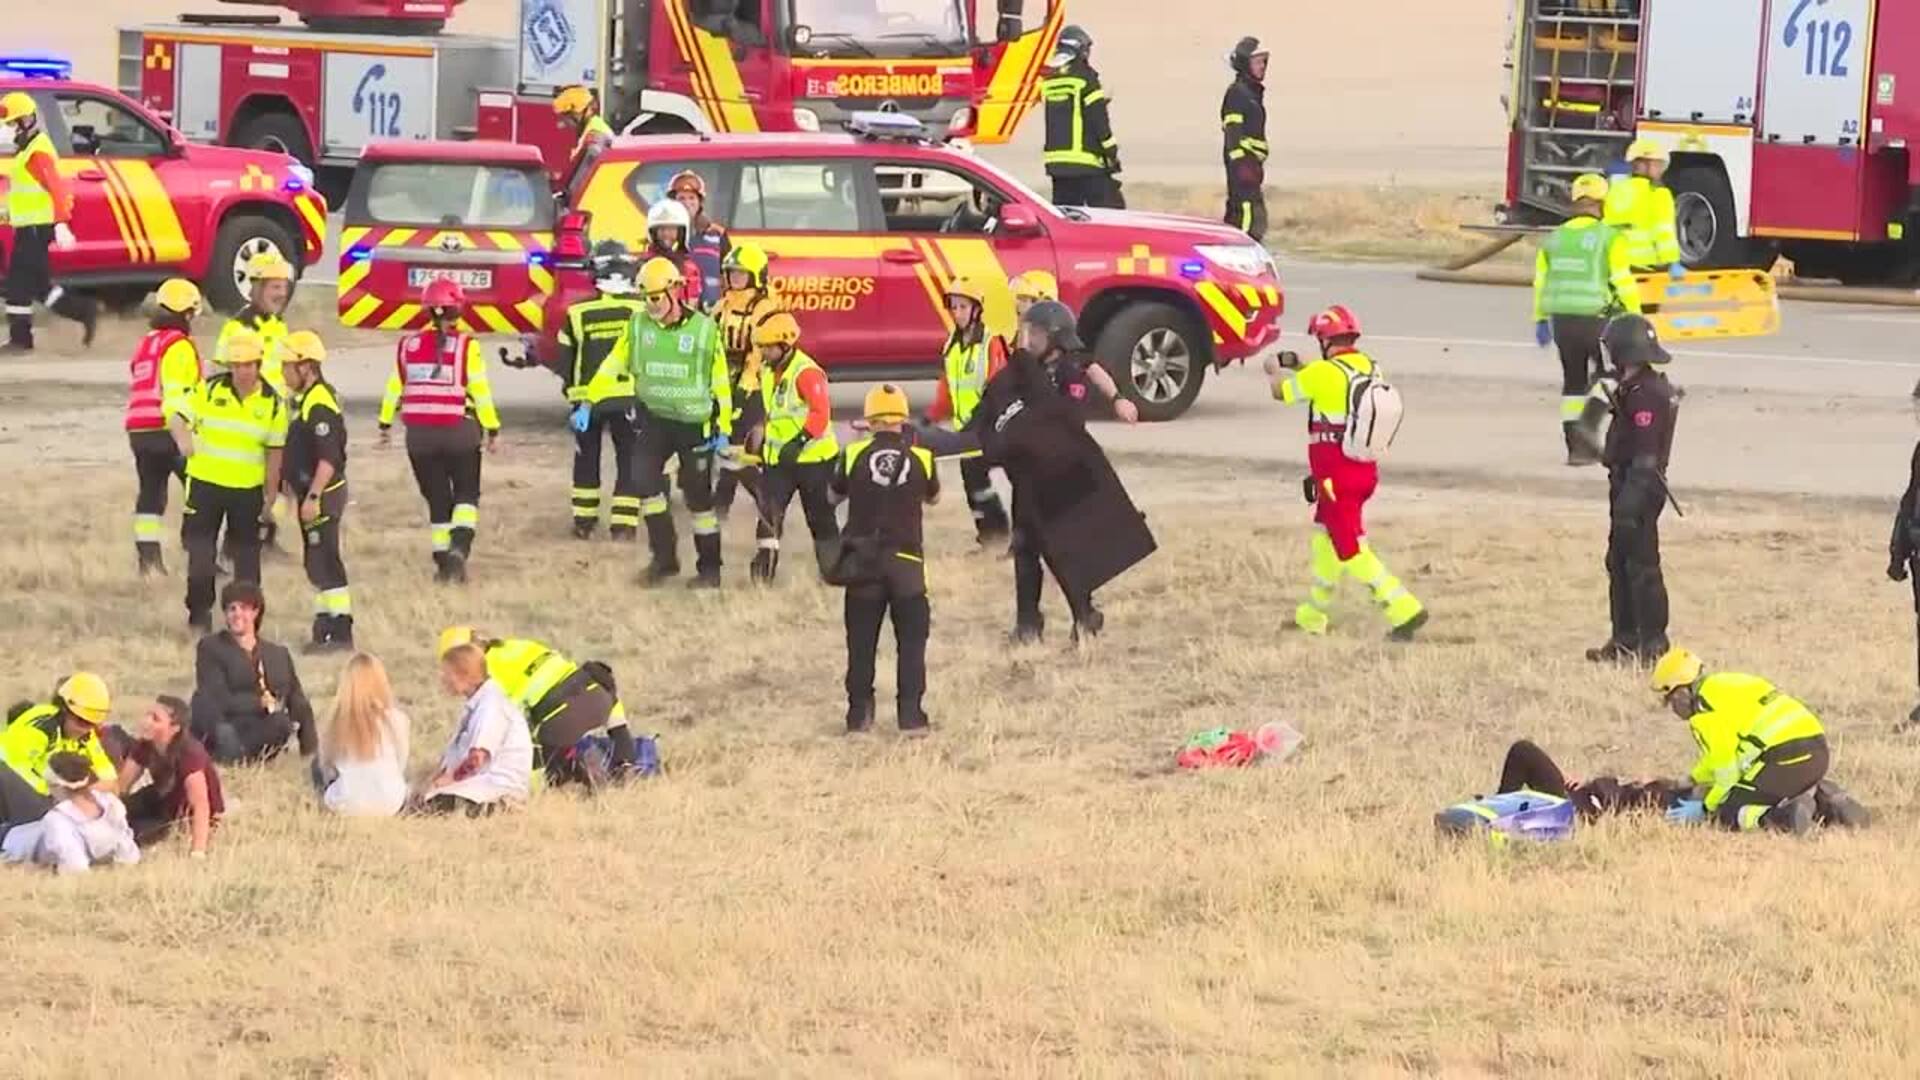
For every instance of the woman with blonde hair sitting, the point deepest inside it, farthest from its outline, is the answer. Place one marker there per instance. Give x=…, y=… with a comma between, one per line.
x=362, y=767
x=489, y=763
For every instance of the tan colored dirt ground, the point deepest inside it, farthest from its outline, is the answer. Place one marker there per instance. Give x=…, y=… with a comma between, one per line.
x=1377, y=91
x=1030, y=892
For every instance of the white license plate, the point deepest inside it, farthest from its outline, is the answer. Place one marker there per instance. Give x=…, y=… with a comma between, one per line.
x=419, y=276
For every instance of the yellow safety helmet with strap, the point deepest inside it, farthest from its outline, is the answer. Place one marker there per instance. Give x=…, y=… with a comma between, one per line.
x=452, y=638
x=749, y=259
x=660, y=276
x=573, y=101
x=178, y=295
x=779, y=328
x=1589, y=186
x=887, y=403
x=304, y=347
x=84, y=694
x=1035, y=285
x=242, y=347
x=269, y=265
x=970, y=287
x=1646, y=150
x=16, y=105
x=1676, y=668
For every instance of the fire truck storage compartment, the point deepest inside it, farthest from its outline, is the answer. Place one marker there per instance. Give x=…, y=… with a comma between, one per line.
x=1702, y=62
x=561, y=43
x=398, y=93
x=1575, y=101
x=1895, y=113
x=1814, y=86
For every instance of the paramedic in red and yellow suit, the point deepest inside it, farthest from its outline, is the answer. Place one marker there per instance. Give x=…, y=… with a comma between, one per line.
x=1340, y=486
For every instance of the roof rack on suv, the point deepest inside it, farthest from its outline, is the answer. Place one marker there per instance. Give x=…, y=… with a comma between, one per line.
x=887, y=127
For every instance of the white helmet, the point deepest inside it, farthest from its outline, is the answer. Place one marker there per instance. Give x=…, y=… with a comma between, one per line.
x=668, y=213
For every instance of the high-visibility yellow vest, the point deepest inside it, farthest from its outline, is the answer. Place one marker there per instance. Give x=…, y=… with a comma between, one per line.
x=272, y=330
x=787, y=413
x=231, y=434
x=966, y=372
x=29, y=204
x=36, y=735
x=528, y=671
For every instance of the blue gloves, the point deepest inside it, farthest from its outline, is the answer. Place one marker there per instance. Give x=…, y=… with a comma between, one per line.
x=1543, y=333
x=580, y=418
x=1678, y=271
x=718, y=444
x=1687, y=812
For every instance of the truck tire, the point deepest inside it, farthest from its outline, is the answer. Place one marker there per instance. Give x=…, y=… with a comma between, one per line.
x=241, y=237
x=1157, y=355
x=1704, y=218
x=277, y=131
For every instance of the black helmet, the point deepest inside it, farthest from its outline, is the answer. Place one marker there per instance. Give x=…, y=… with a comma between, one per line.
x=1631, y=339
x=1241, y=58
x=612, y=261
x=1073, y=44
x=1056, y=321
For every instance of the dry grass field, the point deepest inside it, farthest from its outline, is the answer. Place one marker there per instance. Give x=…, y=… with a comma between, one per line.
x=1032, y=891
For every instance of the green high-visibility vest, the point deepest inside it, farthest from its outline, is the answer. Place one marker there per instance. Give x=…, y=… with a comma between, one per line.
x=787, y=413
x=673, y=366
x=1577, y=281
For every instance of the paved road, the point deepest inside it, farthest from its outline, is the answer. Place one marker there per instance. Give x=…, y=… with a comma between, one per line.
x=1822, y=408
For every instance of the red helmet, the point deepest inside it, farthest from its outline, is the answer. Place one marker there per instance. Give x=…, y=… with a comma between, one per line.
x=1337, y=321
x=443, y=293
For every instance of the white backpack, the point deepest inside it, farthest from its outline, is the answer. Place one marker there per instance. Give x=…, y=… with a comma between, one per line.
x=1374, y=412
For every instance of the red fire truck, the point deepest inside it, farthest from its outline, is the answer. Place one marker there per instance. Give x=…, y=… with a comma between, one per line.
x=1787, y=122
x=361, y=70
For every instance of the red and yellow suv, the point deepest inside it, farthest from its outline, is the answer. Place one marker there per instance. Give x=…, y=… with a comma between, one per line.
x=148, y=205
x=865, y=231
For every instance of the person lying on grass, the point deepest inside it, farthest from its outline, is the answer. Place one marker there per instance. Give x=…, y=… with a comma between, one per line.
x=85, y=827
x=489, y=763
x=1528, y=768
x=185, y=783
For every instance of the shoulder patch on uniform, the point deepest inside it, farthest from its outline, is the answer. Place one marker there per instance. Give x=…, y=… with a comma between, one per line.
x=323, y=429
x=1643, y=418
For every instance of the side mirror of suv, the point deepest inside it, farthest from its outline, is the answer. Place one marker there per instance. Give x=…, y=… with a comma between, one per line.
x=1017, y=219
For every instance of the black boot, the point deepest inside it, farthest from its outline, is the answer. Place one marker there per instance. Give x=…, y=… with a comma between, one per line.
x=583, y=528
x=913, y=719
x=665, y=547
x=1794, y=817
x=457, y=567
x=766, y=562
x=1613, y=652
x=322, y=632
x=19, y=335
x=151, y=563
x=1580, y=447
x=859, y=716
x=1028, y=630
x=623, y=534
x=825, y=554
x=200, y=622
x=1088, y=625
x=440, y=567
x=706, y=561
x=1835, y=805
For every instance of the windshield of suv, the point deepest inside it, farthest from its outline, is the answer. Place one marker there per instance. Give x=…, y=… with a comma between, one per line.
x=848, y=28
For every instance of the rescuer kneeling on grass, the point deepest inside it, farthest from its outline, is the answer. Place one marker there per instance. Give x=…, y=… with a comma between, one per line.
x=1581, y=277
x=1763, y=754
x=887, y=480
x=572, y=710
x=70, y=723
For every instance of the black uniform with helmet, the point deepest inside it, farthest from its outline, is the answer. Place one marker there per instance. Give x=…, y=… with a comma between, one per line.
x=1243, y=123
x=1639, y=443
x=1081, y=155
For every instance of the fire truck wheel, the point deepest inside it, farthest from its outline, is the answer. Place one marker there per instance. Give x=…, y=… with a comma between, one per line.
x=277, y=131
x=1704, y=217
x=1158, y=358
x=240, y=238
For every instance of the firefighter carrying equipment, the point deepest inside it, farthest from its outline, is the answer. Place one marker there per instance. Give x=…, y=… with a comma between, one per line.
x=660, y=276
x=886, y=403
x=1034, y=286
x=180, y=296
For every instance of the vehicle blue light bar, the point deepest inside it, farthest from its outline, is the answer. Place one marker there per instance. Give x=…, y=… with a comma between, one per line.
x=36, y=67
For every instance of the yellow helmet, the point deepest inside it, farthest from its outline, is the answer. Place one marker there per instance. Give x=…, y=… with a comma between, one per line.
x=85, y=695
x=660, y=276
x=887, y=403
x=178, y=295
x=241, y=347
x=1035, y=285
x=304, y=347
x=779, y=328
x=970, y=287
x=15, y=106
x=1676, y=668
x=573, y=101
x=1646, y=150
x=1589, y=186
x=749, y=259
x=269, y=265
x=452, y=638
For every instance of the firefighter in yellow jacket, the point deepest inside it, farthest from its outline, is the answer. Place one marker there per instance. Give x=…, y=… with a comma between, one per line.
x=748, y=301
x=165, y=369
x=571, y=707
x=1763, y=753
x=269, y=288
x=70, y=723
x=1582, y=277
x=580, y=107
x=1641, y=206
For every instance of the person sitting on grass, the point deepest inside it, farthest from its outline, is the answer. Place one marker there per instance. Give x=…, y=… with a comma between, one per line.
x=184, y=785
x=86, y=826
x=361, y=770
x=489, y=763
x=247, y=698
x=35, y=732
